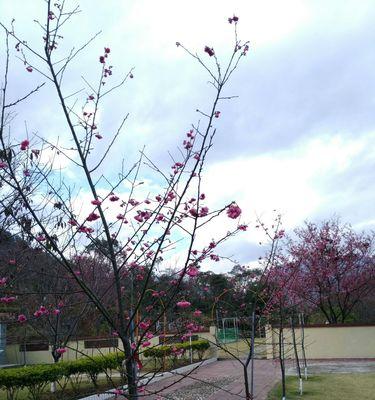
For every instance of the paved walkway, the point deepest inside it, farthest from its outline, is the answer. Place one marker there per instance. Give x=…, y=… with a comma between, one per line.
x=221, y=380
x=316, y=367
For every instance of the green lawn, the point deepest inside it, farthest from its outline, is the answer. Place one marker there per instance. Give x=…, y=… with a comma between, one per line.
x=329, y=387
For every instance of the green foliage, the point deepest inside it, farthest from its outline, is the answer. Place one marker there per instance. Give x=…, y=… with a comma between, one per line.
x=165, y=351
x=36, y=377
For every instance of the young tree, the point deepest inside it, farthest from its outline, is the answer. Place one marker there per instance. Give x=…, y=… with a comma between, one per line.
x=151, y=226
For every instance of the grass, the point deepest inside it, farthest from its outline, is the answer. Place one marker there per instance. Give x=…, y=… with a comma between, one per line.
x=329, y=387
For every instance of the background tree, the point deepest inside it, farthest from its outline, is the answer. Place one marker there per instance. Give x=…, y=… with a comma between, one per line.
x=331, y=267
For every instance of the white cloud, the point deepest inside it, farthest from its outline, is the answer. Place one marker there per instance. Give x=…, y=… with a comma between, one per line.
x=288, y=181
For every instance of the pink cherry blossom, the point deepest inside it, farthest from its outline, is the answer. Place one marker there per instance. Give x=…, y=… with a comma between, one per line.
x=192, y=271
x=209, y=50
x=92, y=217
x=25, y=144
x=203, y=211
x=233, y=211
x=233, y=19
x=144, y=325
x=22, y=318
x=183, y=304
x=96, y=202
x=8, y=299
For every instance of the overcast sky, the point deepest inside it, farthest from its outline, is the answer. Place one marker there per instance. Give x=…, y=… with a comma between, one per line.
x=300, y=138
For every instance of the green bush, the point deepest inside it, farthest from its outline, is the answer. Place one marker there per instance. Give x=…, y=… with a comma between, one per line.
x=36, y=377
x=165, y=351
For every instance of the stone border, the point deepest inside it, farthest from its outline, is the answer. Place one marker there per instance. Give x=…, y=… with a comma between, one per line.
x=156, y=378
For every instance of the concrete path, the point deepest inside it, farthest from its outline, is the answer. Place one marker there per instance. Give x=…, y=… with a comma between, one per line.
x=221, y=380
x=316, y=367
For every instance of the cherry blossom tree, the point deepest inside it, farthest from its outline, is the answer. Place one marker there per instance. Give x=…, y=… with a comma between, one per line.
x=123, y=229
x=329, y=267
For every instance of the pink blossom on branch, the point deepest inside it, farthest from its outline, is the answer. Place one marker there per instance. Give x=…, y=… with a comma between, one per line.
x=25, y=144
x=96, y=202
x=92, y=217
x=233, y=211
x=183, y=304
x=209, y=50
x=192, y=272
x=22, y=318
x=233, y=19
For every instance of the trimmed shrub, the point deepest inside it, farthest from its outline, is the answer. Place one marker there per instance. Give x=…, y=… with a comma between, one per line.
x=36, y=377
x=164, y=351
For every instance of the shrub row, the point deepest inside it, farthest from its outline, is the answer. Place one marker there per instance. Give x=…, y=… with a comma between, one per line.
x=165, y=351
x=36, y=377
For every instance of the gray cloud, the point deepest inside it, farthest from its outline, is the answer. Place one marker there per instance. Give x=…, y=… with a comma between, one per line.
x=316, y=81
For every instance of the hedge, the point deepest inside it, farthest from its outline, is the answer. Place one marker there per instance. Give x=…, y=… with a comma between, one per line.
x=164, y=351
x=36, y=377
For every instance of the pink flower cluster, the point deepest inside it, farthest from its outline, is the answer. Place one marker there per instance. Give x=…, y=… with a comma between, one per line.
x=209, y=50
x=102, y=58
x=233, y=19
x=233, y=211
x=25, y=144
x=8, y=299
x=22, y=318
x=42, y=311
x=183, y=304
